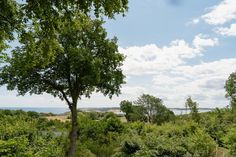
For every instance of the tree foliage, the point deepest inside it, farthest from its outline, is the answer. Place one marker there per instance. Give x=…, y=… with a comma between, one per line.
x=63, y=51
x=8, y=24
x=132, y=112
x=16, y=15
x=193, y=106
x=29, y=134
x=84, y=61
x=146, y=108
x=230, y=87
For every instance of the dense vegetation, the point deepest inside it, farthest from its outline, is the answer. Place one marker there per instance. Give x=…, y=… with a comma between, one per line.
x=65, y=51
x=29, y=134
x=105, y=135
x=146, y=109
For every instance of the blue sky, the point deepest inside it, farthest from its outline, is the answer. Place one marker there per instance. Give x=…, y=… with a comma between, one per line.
x=173, y=49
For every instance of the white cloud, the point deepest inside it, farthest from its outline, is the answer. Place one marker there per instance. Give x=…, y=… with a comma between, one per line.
x=172, y=79
x=221, y=13
x=200, y=41
x=133, y=90
x=231, y=31
x=193, y=22
x=196, y=21
x=150, y=59
x=205, y=82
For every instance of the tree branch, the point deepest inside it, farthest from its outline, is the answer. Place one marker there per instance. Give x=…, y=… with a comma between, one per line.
x=69, y=76
x=60, y=88
x=67, y=100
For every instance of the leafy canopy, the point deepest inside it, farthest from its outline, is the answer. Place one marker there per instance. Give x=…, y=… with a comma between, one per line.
x=16, y=16
x=230, y=87
x=80, y=59
x=194, y=109
x=146, y=108
x=8, y=23
x=155, y=111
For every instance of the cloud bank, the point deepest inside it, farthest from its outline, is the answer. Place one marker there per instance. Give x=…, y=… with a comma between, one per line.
x=221, y=13
x=150, y=59
x=227, y=31
x=173, y=78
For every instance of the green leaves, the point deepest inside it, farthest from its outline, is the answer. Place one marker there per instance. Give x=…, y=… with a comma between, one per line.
x=28, y=134
x=230, y=87
x=8, y=22
x=36, y=24
x=194, y=109
x=77, y=61
x=230, y=140
x=146, y=108
x=63, y=51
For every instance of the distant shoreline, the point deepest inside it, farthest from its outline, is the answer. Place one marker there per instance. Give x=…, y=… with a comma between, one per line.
x=59, y=110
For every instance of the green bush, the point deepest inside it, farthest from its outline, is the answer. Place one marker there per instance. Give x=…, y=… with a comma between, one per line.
x=230, y=141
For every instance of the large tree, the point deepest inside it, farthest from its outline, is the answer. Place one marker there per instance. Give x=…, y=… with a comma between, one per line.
x=68, y=60
x=230, y=87
x=62, y=51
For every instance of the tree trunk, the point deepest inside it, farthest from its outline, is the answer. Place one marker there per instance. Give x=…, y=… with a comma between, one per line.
x=73, y=134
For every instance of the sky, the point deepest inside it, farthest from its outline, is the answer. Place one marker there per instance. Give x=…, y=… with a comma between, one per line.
x=173, y=48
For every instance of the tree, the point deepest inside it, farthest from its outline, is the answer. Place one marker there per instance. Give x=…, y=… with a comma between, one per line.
x=230, y=87
x=126, y=107
x=76, y=62
x=132, y=112
x=8, y=24
x=62, y=52
x=15, y=16
x=156, y=112
x=194, y=109
x=146, y=108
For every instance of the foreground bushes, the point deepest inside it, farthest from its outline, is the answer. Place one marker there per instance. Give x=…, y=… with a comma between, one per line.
x=169, y=141
x=104, y=135
x=24, y=134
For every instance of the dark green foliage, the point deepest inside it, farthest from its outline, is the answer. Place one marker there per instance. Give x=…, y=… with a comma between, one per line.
x=146, y=108
x=64, y=52
x=230, y=87
x=169, y=141
x=28, y=134
x=132, y=112
x=57, y=69
x=155, y=111
x=16, y=15
x=9, y=22
x=194, y=109
x=230, y=140
x=130, y=147
x=101, y=137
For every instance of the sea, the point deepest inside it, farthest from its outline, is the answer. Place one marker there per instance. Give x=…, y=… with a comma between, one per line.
x=39, y=110
x=177, y=111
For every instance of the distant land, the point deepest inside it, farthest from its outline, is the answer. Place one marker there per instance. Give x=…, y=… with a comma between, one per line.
x=115, y=110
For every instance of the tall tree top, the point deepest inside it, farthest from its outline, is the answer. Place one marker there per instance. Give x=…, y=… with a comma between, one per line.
x=17, y=15
x=80, y=59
